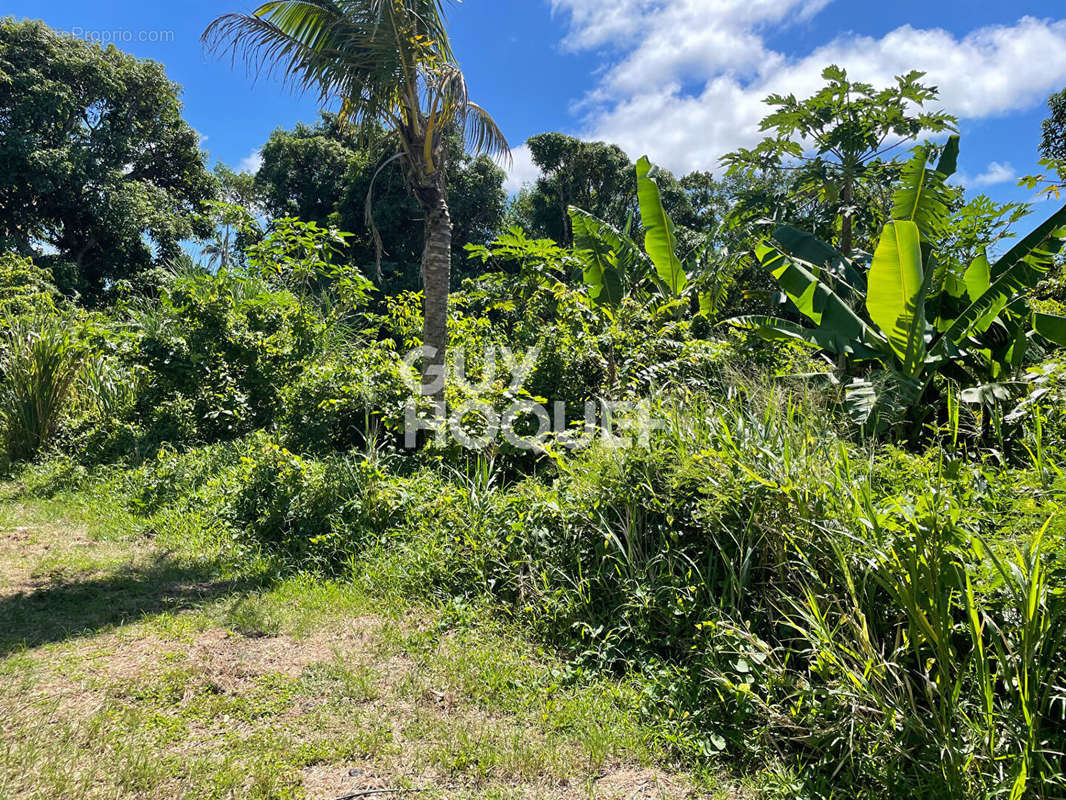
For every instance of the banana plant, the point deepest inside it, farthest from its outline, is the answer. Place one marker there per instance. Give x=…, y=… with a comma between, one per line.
x=614, y=265
x=906, y=316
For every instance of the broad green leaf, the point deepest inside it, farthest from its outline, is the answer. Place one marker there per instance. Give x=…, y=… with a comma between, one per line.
x=978, y=317
x=607, y=256
x=773, y=328
x=978, y=277
x=1051, y=326
x=660, y=241
x=894, y=299
x=1039, y=247
x=809, y=248
x=806, y=246
x=798, y=283
x=1015, y=274
x=923, y=197
x=840, y=330
x=949, y=157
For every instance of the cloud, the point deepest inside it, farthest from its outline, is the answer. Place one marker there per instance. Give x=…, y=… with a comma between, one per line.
x=685, y=79
x=522, y=170
x=996, y=173
x=251, y=162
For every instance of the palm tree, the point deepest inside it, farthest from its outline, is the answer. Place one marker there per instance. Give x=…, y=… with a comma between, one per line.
x=386, y=61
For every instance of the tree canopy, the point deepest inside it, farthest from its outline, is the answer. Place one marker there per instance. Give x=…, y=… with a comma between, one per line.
x=600, y=178
x=102, y=176
x=322, y=173
x=1053, y=140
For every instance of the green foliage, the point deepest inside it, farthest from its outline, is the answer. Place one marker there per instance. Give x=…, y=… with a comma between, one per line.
x=660, y=238
x=599, y=178
x=346, y=401
x=614, y=267
x=312, y=512
x=923, y=318
x=99, y=163
x=308, y=261
x=886, y=622
x=216, y=353
x=41, y=362
x=613, y=264
x=25, y=289
x=1053, y=139
x=323, y=174
x=852, y=126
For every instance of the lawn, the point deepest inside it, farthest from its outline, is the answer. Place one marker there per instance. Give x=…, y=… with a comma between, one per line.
x=136, y=666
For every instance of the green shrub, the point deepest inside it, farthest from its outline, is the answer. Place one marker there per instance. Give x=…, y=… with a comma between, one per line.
x=308, y=513
x=344, y=403
x=41, y=362
x=216, y=354
x=25, y=289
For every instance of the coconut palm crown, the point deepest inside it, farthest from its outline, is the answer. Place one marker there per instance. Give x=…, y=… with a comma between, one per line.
x=387, y=61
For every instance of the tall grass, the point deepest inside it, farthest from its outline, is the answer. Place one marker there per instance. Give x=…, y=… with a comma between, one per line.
x=873, y=622
x=40, y=363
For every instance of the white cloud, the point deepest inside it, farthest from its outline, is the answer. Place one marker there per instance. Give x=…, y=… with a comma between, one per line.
x=685, y=79
x=251, y=162
x=522, y=170
x=996, y=173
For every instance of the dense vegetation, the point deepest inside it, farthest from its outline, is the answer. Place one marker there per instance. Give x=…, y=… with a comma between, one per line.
x=837, y=559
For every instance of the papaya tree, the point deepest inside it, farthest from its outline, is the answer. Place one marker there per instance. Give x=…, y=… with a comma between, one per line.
x=836, y=146
x=907, y=315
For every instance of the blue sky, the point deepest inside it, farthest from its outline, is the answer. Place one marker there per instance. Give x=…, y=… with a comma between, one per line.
x=681, y=80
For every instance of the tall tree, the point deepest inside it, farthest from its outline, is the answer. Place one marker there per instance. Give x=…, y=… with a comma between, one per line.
x=386, y=62
x=1053, y=140
x=601, y=179
x=594, y=176
x=101, y=177
x=837, y=139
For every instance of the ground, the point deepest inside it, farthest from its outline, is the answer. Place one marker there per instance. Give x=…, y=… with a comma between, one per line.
x=133, y=666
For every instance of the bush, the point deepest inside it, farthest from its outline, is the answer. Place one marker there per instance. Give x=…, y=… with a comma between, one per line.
x=40, y=364
x=308, y=513
x=215, y=355
x=344, y=403
x=24, y=289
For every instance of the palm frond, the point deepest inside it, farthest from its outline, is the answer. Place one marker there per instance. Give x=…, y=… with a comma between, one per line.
x=482, y=133
x=365, y=54
x=387, y=60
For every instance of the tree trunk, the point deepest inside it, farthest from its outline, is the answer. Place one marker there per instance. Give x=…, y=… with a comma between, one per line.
x=436, y=280
x=845, y=222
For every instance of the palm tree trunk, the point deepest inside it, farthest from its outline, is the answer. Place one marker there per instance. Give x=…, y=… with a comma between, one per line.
x=436, y=279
